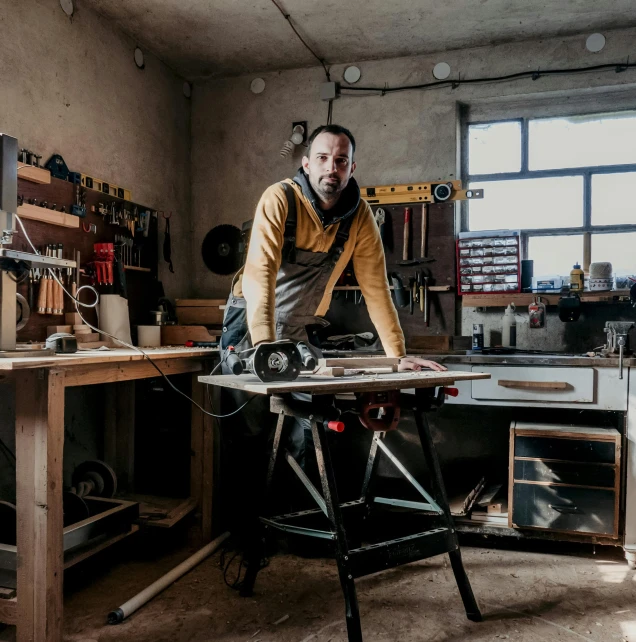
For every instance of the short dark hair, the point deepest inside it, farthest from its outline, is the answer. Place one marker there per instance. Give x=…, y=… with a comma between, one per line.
x=332, y=129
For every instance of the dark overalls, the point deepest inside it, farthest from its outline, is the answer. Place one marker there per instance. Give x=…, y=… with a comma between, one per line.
x=300, y=286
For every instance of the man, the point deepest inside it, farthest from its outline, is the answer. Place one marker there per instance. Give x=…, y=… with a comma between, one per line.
x=304, y=234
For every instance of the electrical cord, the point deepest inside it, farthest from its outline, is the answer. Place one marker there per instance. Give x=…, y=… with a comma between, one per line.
x=534, y=75
x=79, y=303
x=313, y=53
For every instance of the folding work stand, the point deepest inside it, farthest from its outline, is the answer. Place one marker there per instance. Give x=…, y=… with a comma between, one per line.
x=357, y=562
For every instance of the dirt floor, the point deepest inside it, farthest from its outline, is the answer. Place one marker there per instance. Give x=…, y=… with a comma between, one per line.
x=541, y=593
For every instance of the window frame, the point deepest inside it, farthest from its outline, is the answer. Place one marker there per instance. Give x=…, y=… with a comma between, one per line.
x=586, y=229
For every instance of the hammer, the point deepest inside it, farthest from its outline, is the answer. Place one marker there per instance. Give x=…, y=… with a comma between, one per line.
x=407, y=231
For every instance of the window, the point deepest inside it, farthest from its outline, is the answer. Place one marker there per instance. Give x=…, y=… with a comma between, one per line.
x=569, y=185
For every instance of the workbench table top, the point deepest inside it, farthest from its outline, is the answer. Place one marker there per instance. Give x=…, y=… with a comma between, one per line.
x=319, y=384
x=98, y=357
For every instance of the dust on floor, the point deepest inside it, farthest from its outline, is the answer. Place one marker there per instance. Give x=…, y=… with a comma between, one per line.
x=524, y=596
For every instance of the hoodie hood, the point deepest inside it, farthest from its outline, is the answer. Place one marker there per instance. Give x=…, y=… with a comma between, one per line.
x=346, y=206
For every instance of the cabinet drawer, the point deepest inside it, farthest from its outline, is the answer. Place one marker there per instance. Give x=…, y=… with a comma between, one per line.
x=586, y=450
x=564, y=508
x=565, y=473
x=531, y=383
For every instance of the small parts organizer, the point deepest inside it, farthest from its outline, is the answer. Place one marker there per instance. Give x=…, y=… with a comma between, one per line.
x=488, y=262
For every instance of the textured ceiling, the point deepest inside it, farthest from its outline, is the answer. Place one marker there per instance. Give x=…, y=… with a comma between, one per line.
x=200, y=38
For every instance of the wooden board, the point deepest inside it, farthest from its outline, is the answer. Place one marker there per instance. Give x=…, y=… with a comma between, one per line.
x=199, y=303
x=111, y=357
x=435, y=343
x=34, y=174
x=358, y=362
x=177, y=335
x=35, y=213
x=200, y=315
x=317, y=384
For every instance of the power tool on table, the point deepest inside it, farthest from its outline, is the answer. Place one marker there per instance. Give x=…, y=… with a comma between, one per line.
x=274, y=361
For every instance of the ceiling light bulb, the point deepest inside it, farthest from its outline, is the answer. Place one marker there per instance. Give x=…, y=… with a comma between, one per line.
x=67, y=7
x=441, y=70
x=352, y=74
x=139, y=58
x=257, y=86
x=595, y=42
x=296, y=138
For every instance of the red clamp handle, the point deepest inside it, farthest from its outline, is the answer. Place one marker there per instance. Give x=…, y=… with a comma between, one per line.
x=451, y=392
x=336, y=426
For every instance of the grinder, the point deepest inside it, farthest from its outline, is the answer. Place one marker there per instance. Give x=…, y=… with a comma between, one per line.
x=276, y=361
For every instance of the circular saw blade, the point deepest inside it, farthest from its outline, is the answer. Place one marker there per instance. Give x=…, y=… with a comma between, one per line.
x=221, y=249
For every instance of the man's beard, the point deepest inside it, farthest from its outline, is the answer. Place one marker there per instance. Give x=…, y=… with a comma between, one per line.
x=327, y=189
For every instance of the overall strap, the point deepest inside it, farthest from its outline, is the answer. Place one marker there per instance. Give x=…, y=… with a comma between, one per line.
x=289, y=246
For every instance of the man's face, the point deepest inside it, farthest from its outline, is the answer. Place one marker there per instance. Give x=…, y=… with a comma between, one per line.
x=330, y=165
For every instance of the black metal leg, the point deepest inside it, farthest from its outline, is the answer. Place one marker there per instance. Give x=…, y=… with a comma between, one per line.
x=371, y=465
x=255, y=550
x=437, y=483
x=323, y=457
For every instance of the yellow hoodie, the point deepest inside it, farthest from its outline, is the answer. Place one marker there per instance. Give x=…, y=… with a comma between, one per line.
x=258, y=280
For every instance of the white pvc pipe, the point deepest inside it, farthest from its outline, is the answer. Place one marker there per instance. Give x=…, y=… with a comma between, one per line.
x=128, y=608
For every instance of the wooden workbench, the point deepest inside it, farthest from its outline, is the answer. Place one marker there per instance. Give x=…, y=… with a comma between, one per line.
x=39, y=393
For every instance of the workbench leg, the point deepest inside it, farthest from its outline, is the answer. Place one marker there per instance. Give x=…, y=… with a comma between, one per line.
x=202, y=453
x=39, y=455
x=256, y=548
x=119, y=432
x=330, y=493
x=439, y=492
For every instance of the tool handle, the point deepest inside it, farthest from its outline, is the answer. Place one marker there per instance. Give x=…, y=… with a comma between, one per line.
x=407, y=230
x=42, y=296
x=49, y=296
x=424, y=230
x=201, y=344
x=233, y=361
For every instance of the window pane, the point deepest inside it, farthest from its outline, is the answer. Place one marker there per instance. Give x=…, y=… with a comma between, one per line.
x=618, y=249
x=555, y=254
x=580, y=141
x=494, y=148
x=530, y=204
x=612, y=199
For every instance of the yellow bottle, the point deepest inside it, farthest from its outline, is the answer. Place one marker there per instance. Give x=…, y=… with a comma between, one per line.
x=576, y=279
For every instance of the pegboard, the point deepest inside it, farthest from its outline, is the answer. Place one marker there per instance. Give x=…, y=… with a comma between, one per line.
x=142, y=286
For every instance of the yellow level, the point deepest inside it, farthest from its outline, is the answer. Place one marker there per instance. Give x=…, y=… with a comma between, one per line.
x=418, y=193
x=106, y=188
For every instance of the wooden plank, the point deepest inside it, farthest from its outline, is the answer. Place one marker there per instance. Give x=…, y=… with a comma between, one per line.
x=200, y=316
x=524, y=300
x=34, y=174
x=179, y=334
x=175, y=515
x=39, y=451
x=325, y=385
x=9, y=611
x=117, y=355
x=199, y=303
x=113, y=372
x=119, y=432
x=36, y=213
x=76, y=558
x=7, y=593
x=202, y=448
x=441, y=343
x=358, y=362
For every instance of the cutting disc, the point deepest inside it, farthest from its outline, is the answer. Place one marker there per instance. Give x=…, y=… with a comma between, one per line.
x=221, y=249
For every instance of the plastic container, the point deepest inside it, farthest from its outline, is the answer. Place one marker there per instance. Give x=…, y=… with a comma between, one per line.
x=509, y=328
x=576, y=279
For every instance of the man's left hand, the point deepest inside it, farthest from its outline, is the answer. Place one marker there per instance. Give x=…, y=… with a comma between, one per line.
x=415, y=363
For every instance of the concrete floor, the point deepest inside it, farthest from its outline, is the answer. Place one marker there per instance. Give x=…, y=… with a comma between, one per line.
x=525, y=595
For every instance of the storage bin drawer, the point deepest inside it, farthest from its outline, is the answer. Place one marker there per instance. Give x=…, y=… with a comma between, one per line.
x=531, y=383
x=564, y=508
x=565, y=472
x=585, y=450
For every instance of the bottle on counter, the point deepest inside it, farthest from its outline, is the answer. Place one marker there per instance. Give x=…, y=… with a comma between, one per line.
x=509, y=330
x=576, y=278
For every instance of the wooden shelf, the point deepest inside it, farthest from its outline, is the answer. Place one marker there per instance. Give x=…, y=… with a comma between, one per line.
x=135, y=268
x=431, y=288
x=161, y=512
x=524, y=300
x=35, y=213
x=34, y=174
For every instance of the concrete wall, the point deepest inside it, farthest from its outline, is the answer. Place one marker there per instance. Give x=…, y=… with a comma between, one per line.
x=72, y=87
x=406, y=136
